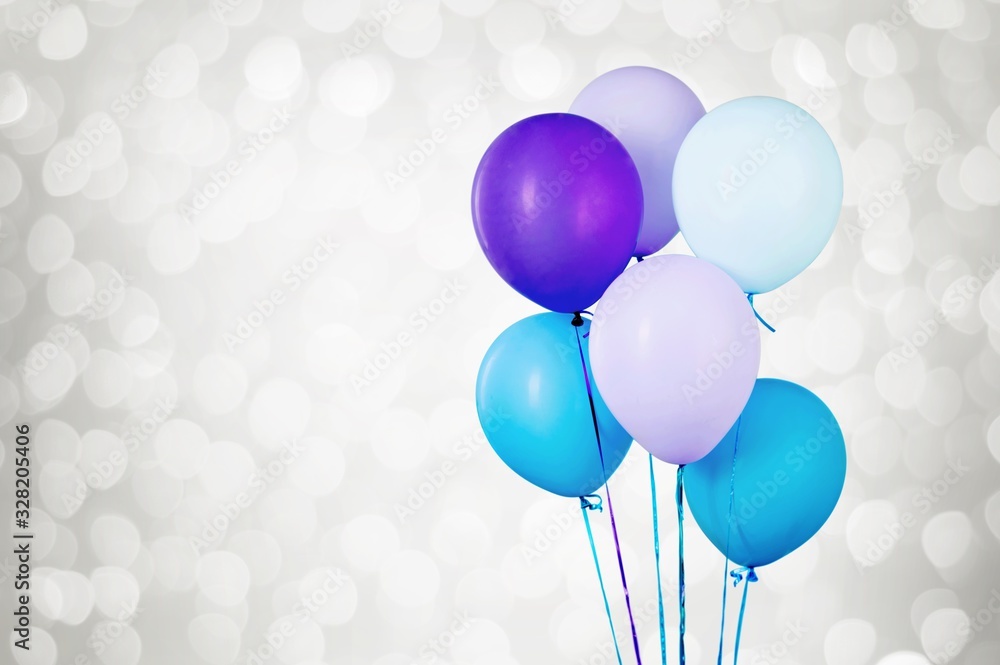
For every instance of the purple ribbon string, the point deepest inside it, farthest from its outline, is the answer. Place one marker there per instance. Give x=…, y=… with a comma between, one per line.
x=577, y=322
x=656, y=554
x=682, y=593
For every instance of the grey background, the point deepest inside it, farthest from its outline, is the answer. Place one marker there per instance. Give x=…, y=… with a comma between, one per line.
x=163, y=356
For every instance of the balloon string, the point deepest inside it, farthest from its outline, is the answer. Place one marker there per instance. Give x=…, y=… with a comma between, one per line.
x=751, y=576
x=766, y=324
x=729, y=534
x=607, y=490
x=593, y=502
x=680, y=559
x=656, y=550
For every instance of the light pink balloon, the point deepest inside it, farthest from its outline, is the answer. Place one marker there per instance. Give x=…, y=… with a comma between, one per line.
x=675, y=350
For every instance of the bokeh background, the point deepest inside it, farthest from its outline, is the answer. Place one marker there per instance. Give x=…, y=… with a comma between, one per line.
x=217, y=219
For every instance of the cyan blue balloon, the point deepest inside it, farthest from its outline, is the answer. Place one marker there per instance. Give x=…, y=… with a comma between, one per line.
x=757, y=190
x=790, y=468
x=531, y=396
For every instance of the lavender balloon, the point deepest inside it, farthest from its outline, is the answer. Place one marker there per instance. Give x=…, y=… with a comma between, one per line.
x=650, y=112
x=675, y=350
x=557, y=205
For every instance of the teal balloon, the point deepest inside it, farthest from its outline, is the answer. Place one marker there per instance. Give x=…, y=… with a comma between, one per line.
x=757, y=189
x=531, y=396
x=790, y=468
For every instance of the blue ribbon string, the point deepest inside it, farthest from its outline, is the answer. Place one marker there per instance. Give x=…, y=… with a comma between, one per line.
x=766, y=324
x=593, y=502
x=680, y=559
x=607, y=490
x=656, y=550
x=729, y=535
x=751, y=576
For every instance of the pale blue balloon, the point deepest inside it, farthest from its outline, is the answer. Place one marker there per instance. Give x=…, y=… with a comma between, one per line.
x=757, y=189
x=531, y=396
x=790, y=468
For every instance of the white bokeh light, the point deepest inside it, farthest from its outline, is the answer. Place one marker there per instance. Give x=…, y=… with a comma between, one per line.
x=410, y=578
x=946, y=538
x=215, y=638
x=115, y=540
x=279, y=410
x=13, y=98
x=181, y=448
x=223, y=577
x=64, y=35
x=368, y=540
x=850, y=642
x=50, y=244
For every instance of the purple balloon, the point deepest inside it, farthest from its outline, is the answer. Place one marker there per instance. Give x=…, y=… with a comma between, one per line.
x=557, y=205
x=651, y=112
x=675, y=350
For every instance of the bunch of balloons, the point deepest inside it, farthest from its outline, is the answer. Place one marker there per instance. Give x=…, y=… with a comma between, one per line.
x=562, y=203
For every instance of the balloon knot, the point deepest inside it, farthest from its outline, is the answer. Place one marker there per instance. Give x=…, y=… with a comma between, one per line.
x=592, y=502
x=638, y=259
x=737, y=574
x=577, y=319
